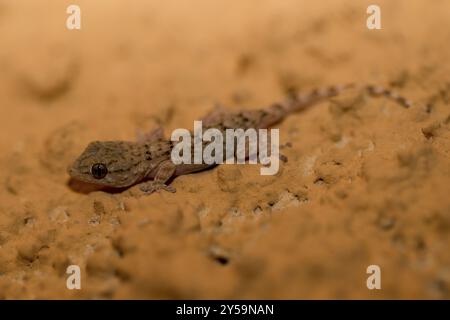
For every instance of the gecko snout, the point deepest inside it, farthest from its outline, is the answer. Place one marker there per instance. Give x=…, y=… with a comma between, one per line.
x=72, y=169
x=69, y=169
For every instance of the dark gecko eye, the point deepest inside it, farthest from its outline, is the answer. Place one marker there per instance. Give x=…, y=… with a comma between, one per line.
x=99, y=170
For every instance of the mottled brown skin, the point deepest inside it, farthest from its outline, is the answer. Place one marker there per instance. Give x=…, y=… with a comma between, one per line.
x=127, y=162
x=148, y=162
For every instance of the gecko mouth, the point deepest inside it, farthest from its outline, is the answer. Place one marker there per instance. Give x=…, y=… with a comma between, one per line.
x=70, y=170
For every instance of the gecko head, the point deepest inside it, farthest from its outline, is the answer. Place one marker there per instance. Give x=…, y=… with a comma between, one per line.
x=106, y=163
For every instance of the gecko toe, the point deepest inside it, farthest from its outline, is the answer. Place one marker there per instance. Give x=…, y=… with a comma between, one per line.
x=169, y=189
x=151, y=187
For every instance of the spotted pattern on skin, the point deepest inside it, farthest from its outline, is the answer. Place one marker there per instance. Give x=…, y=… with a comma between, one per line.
x=130, y=163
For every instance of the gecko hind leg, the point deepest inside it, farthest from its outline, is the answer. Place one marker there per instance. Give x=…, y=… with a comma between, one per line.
x=248, y=155
x=165, y=171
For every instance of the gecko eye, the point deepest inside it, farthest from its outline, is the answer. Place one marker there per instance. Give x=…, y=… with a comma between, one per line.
x=99, y=170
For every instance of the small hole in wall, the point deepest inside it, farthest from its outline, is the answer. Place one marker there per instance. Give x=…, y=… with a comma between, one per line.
x=221, y=260
x=319, y=181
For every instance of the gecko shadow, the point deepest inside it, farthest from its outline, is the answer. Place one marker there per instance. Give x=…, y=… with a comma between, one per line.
x=86, y=188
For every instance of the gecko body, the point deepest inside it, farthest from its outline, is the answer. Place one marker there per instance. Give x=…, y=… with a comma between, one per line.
x=148, y=163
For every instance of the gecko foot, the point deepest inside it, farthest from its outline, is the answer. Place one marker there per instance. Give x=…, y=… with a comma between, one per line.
x=155, y=186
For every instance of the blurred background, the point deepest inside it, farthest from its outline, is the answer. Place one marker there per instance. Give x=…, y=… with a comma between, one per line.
x=366, y=182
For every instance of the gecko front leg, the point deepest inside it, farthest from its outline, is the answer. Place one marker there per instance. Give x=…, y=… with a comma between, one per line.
x=164, y=172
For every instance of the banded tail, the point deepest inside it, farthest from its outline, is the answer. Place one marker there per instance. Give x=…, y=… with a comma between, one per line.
x=299, y=102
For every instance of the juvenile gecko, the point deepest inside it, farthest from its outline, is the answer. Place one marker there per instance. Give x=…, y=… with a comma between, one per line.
x=148, y=163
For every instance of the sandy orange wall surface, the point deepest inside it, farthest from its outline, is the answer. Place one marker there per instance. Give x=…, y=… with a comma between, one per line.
x=367, y=182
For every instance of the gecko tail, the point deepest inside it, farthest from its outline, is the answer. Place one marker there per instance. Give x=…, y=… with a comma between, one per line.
x=299, y=102
x=377, y=91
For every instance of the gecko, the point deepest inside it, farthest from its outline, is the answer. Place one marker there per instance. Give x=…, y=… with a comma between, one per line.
x=147, y=161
